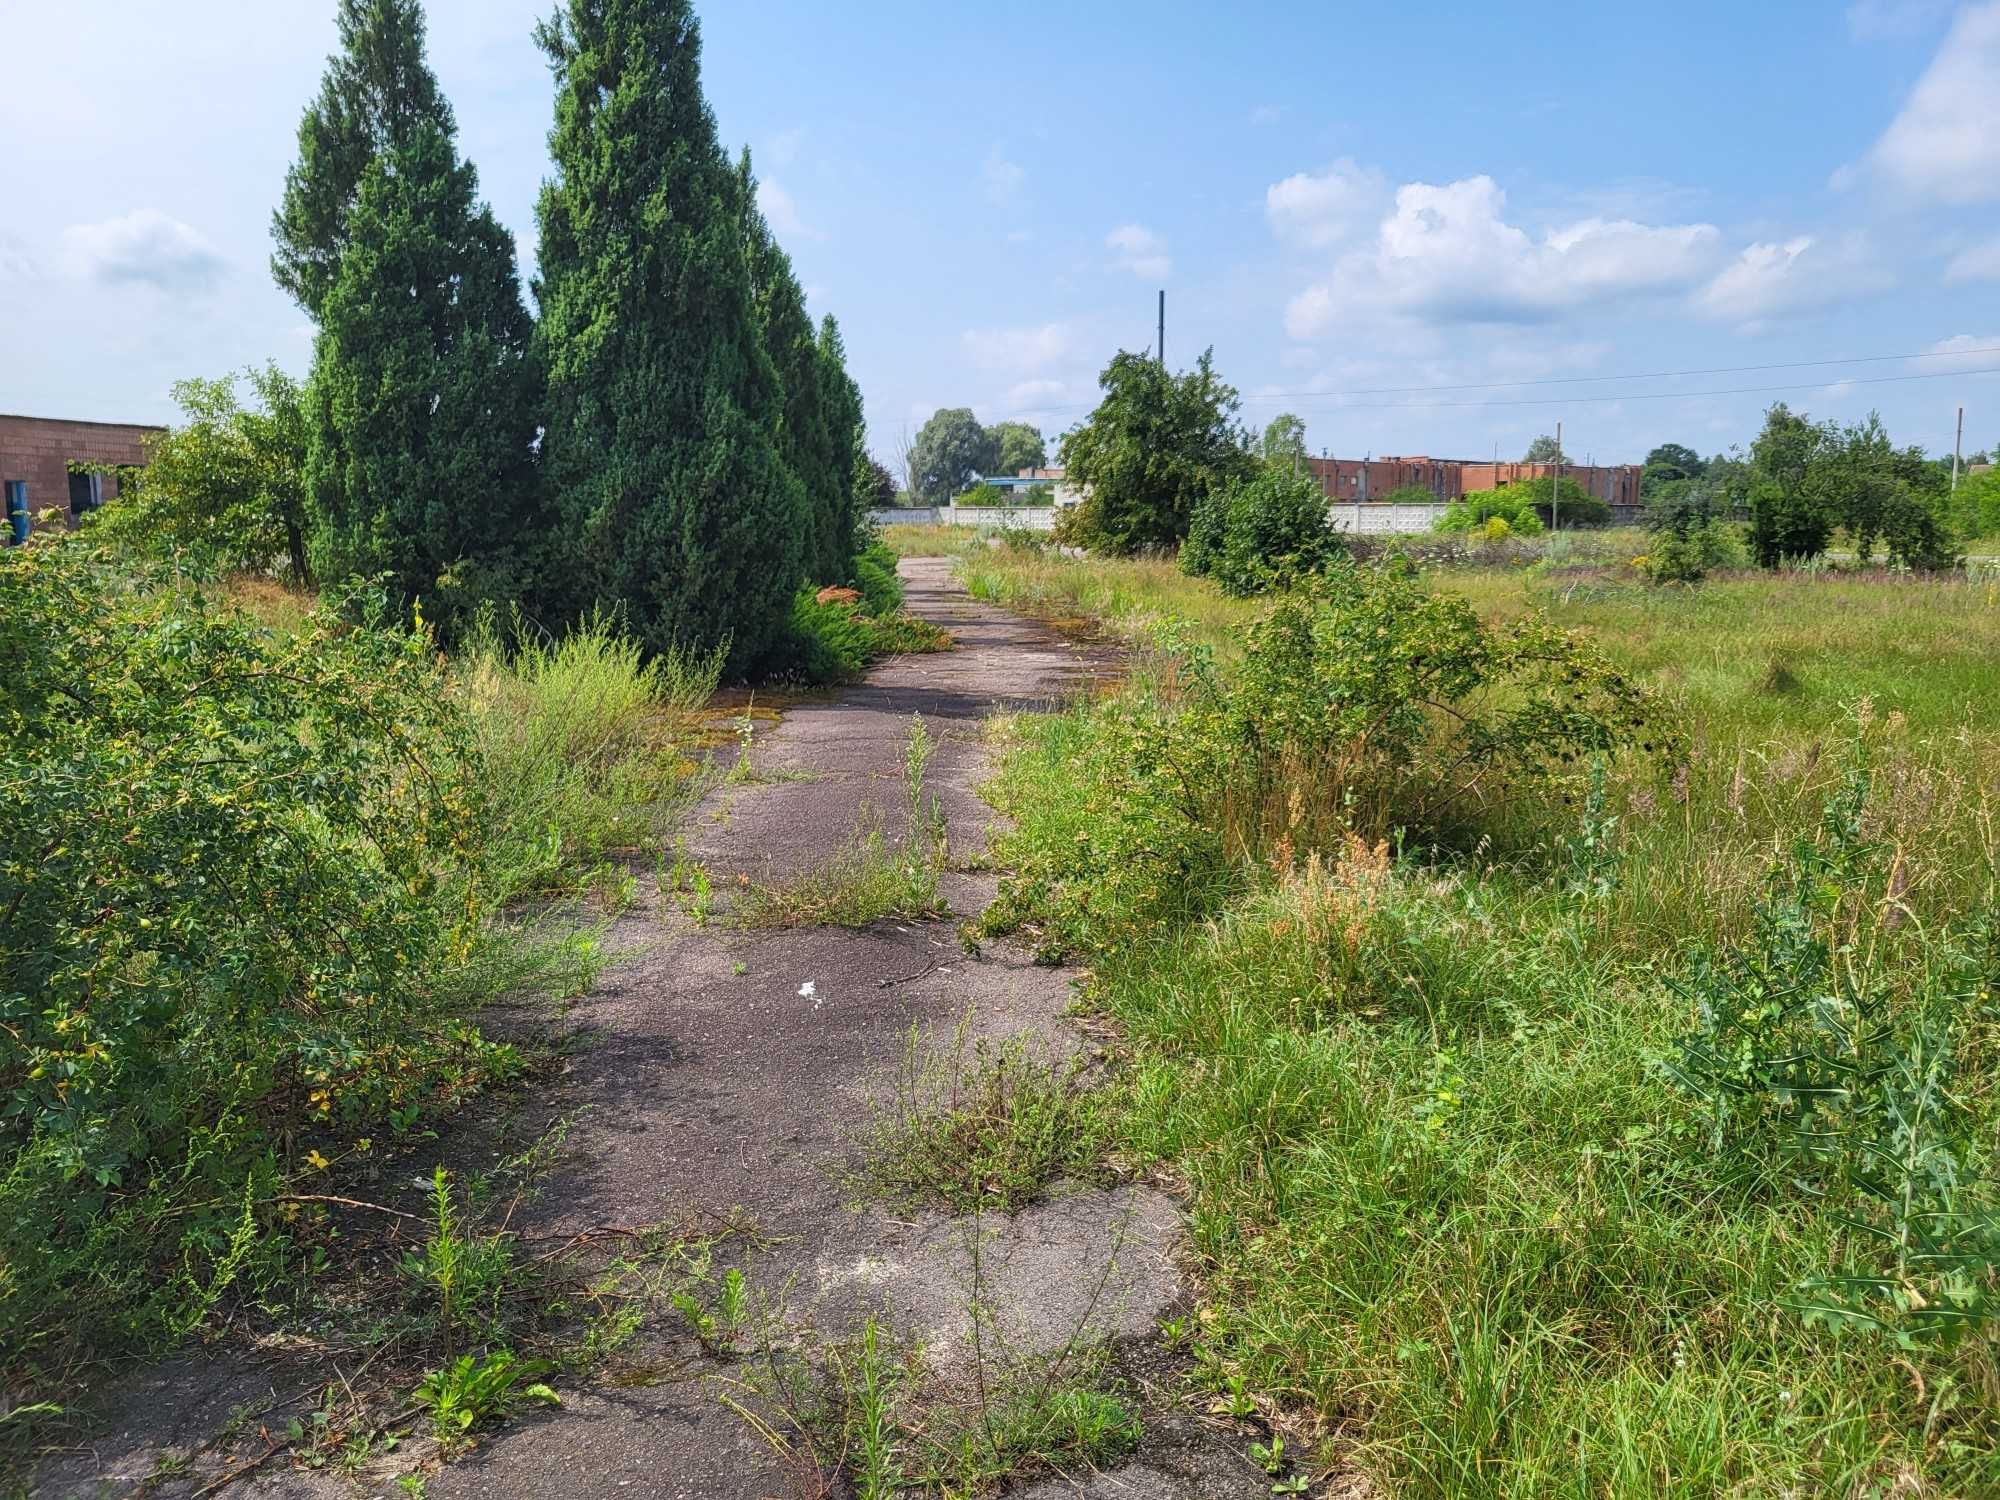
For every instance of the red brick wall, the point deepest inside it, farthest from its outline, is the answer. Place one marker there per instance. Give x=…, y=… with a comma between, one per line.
x=1351, y=479
x=1614, y=484
x=41, y=449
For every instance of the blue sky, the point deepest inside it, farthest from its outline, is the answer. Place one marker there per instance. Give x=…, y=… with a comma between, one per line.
x=1338, y=197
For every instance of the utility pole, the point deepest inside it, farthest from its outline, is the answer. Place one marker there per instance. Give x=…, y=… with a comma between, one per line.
x=1162, y=345
x=1556, y=485
x=1957, y=443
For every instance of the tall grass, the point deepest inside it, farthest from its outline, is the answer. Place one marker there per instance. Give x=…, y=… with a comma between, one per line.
x=584, y=745
x=1452, y=1219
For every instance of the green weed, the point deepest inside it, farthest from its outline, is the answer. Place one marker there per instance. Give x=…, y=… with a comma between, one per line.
x=979, y=1125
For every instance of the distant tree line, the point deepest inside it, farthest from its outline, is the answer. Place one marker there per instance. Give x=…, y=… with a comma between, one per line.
x=952, y=450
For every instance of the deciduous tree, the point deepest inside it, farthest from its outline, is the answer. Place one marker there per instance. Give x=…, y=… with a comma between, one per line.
x=1155, y=445
x=1020, y=447
x=949, y=449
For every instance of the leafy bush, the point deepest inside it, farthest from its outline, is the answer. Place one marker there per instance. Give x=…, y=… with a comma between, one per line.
x=1363, y=705
x=1260, y=533
x=227, y=917
x=1472, y=513
x=1689, y=555
x=224, y=491
x=1579, y=507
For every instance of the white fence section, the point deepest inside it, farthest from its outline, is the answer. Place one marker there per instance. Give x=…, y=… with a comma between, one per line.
x=1381, y=519
x=985, y=517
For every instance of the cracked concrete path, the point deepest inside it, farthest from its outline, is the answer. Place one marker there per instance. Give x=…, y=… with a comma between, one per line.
x=713, y=1079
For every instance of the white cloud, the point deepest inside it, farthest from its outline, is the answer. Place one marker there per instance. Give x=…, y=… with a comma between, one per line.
x=1886, y=20
x=1316, y=210
x=1961, y=351
x=1028, y=394
x=1137, y=249
x=1266, y=114
x=1979, y=262
x=1022, y=349
x=1003, y=177
x=1945, y=145
x=145, y=246
x=1446, y=254
x=1770, y=279
x=781, y=212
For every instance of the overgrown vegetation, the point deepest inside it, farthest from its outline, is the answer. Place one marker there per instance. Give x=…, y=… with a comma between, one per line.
x=1630, y=1131
x=254, y=888
x=979, y=1126
x=1255, y=534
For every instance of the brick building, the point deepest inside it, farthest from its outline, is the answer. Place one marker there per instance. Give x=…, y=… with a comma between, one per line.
x=1614, y=484
x=35, y=458
x=1350, y=481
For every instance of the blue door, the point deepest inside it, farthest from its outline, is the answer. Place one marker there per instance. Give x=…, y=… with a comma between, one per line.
x=17, y=512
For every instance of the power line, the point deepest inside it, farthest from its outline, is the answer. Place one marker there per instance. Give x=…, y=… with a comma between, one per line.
x=1740, y=390
x=1501, y=385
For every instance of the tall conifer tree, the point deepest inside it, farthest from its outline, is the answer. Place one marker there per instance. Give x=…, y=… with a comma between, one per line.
x=423, y=403
x=663, y=406
x=845, y=453
x=422, y=406
x=377, y=95
x=805, y=437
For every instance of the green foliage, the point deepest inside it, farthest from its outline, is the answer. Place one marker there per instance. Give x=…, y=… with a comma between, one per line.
x=1283, y=444
x=224, y=491
x=1153, y=447
x=1543, y=450
x=471, y=1390
x=1690, y=552
x=875, y=577
x=1260, y=533
x=223, y=921
x=674, y=501
x=982, y=496
x=982, y=1127
x=1474, y=512
x=1667, y=464
x=423, y=405
x=1975, y=506
x=828, y=640
x=582, y=742
x=817, y=421
x=874, y=486
x=1363, y=705
x=377, y=97
x=1409, y=494
x=1808, y=479
x=949, y=449
x=1826, y=1045
x=1018, y=446
x=1577, y=507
